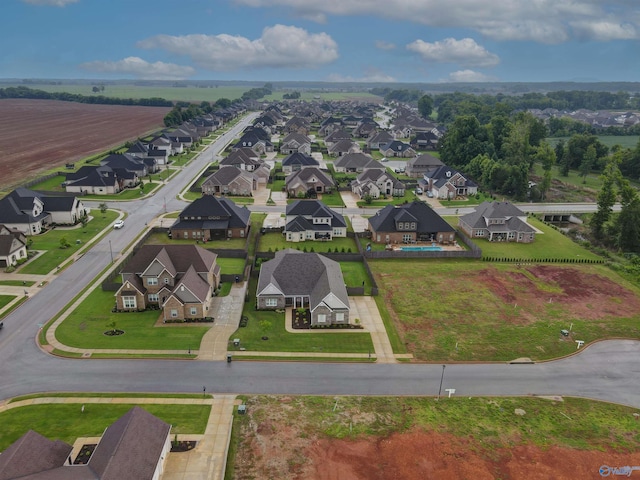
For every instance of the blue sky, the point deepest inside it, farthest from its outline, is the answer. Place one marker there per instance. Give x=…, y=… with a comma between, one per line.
x=327, y=40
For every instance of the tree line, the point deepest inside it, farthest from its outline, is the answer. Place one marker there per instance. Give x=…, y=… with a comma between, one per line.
x=26, y=92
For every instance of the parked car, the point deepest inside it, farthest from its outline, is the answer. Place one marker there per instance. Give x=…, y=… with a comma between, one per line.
x=118, y=224
x=429, y=194
x=418, y=191
x=399, y=170
x=384, y=159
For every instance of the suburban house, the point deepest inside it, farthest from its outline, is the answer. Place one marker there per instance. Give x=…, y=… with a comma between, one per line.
x=243, y=158
x=210, y=217
x=343, y=147
x=498, y=222
x=256, y=139
x=179, y=279
x=13, y=246
x=31, y=212
x=376, y=183
x=396, y=148
x=337, y=136
x=425, y=140
x=294, y=143
x=149, y=150
x=100, y=180
x=134, y=446
x=230, y=181
x=417, y=167
x=304, y=280
x=379, y=138
x=446, y=183
x=312, y=220
x=356, y=162
x=297, y=161
x=297, y=125
x=308, y=181
x=410, y=223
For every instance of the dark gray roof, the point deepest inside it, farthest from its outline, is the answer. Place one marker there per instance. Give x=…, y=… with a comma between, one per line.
x=225, y=176
x=297, y=273
x=497, y=210
x=424, y=161
x=315, y=209
x=209, y=207
x=31, y=454
x=357, y=160
x=177, y=258
x=428, y=221
x=301, y=159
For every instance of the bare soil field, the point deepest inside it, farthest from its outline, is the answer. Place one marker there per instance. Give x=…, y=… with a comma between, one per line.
x=310, y=439
x=38, y=135
x=444, y=311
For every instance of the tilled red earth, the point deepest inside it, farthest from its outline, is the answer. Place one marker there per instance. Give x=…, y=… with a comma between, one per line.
x=37, y=135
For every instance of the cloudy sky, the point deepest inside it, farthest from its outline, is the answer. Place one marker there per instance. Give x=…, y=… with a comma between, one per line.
x=326, y=40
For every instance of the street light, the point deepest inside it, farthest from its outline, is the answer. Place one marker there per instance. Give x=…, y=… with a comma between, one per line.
x=441, y=379
x=110, y=251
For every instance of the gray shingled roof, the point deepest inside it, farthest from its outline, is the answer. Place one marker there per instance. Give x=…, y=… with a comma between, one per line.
x=497, y=210
x=298, y=273
x=31, y=454
x=428, y=221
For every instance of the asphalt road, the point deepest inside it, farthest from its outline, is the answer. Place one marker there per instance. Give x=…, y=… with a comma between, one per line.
x=605, y=371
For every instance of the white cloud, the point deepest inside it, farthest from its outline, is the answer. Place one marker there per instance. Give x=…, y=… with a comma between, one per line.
x=280, y=46
x=53, y=3
x=544, y=21
x=469, y=76
x=140, y=68
x=465, y=52
x=382, y=45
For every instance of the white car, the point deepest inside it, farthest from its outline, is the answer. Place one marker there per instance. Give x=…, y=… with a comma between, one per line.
x=118, y=224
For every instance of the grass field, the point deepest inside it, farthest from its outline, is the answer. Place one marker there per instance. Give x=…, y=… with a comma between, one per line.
x=50, y=242
x=66, y=421
x=626, y=141
x=5, y=300
x=162, y=239
x=85, y=327
x=231, y=266
x=355, y=275
x=550, y=244
x=472, y=310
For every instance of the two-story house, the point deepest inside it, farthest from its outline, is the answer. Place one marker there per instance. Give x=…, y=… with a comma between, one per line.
x=313, y=220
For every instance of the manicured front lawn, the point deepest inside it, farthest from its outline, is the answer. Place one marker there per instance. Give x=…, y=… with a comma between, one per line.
x=67, y=422
x=409, y=196
x=273, y=241
x=282, y=341
x=332, y=199
x=50, y=241
x=85, y=328
x=447, y=310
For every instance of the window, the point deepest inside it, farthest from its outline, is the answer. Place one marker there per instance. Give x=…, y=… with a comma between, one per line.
x=242, y=233
x=166, y=280
x=479, y=233
x=271, y=302
x=322, y=318
x=152, y=281
x=129, y=302
x=153, y=297
x=406, y=238
x=193, y=311
x=174, y=313
x=339, y=317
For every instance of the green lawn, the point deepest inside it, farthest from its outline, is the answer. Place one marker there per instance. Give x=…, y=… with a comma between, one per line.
x=163, y=239
x=67, y=422
x=355, y=275
x=551, y=244
x=625, y=141
x=409, y=196
x=231, y=266
x=86, y=325
x=50, y=241
x=505, y=315
x=469, y=202
x=332, y=199
x=282, y=341
x=273, y=241
x=133, y=193
x=17, y=283
x=5, y=300
x=53, y=184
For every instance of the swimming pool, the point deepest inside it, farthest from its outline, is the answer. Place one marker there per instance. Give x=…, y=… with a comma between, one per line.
x=421, y=248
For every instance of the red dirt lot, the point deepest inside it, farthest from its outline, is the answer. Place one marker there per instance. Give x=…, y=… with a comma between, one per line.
x=38, y=135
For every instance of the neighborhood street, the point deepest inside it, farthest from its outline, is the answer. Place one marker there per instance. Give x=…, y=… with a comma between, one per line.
x=605, y=371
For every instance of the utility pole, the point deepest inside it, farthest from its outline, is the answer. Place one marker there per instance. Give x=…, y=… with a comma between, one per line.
x=441, y=379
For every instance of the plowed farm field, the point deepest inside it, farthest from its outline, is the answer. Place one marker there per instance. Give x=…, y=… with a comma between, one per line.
x=38, y=135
